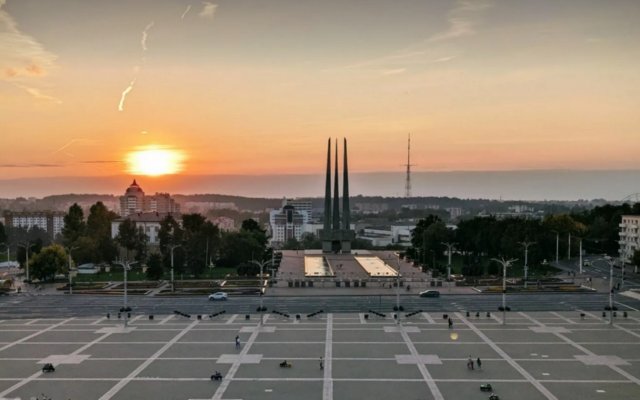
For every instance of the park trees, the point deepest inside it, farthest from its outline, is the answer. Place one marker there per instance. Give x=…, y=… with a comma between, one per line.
x=250, y=243
x=51, y=260
x=155, y=270
x=133, y=240
x=74, y=225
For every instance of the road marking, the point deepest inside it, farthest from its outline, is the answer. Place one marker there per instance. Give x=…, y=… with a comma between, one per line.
x=508, y=359
x=437, y=395
x=114, y=390
x=327, y=386
x=33, y=321
x=3, y=395
x=428, y=318
x=231, y=319
x=498, y=319
x=362, y=320
x=622, y=304
x=586, y=351
x=96, y=322
x=166, y=319
x=134, y=319
x=562, y=317
x=236, y=365
x=41, y=331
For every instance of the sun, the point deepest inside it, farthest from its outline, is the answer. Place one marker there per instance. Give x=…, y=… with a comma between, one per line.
x=154, y=161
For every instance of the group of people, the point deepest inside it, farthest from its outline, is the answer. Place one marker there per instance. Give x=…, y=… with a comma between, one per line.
x=470, y=363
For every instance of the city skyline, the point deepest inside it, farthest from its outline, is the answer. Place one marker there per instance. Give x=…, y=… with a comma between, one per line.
x=252, y=88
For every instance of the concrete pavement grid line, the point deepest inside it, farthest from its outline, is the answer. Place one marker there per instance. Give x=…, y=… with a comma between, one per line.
x=543, y=390
x=236, y=364
x=166, y=319
x=437, y=395
x=327, y=385
x=231, y=319
x=135, y=372
x=569, y=321
x=587, y=351
x=39, y=332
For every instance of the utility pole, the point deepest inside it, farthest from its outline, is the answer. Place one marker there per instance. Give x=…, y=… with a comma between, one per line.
x=449, y=251
x=611, y=261
x=126, y=266
x=569, y=248
x=261, y=264
x=526, y=245
x=69, y=250
x=505, y=265
x=27, y=246
x=171, y=248
x=580, y=257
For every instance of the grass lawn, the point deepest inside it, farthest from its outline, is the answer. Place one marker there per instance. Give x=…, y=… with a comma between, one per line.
x=116, y=274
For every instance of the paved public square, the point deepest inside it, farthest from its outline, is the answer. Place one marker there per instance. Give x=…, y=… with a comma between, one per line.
x=536, y=355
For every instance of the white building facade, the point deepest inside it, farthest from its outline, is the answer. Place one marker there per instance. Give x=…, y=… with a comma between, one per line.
x=629, y=236
x=51, y=222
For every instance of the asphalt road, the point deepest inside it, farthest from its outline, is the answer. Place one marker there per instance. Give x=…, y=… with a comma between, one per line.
x=54, y=306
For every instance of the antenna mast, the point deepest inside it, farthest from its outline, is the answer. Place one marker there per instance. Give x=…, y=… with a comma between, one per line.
x=407, y=185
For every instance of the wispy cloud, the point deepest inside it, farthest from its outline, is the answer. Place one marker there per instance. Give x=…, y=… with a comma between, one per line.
x=37, y=94
x=208, y=9
x=71, y=143
x=462, y=19
x=145, y=34
x=186, y=11
x=31, y=165
x=394, y=71
x=21, y=54
x=124, y=94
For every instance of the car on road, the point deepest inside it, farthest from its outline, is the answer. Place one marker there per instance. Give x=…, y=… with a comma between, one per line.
x=430, y=293
x=218, y=296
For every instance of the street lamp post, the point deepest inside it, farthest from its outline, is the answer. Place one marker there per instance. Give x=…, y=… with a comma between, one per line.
x=261, y=264
x=611, y=262
x=69, y=250
x=505, y=264
x=557, y=247
x=126, y=266
x=398, y=289
x=449, y=251
x=526, y=245
x=580, y=257
x=569, y=248
x=27, y=246
x=171, y=247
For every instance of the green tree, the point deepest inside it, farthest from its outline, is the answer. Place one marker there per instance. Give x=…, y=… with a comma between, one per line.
x=47, y=263
x=171, y=236
x=74, y=225
x=155, y=271
x=99, y=230
x=3, y=234
x=133, y=240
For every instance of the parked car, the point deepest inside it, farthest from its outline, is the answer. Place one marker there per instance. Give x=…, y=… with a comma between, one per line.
x=218, y=296
x=430, y=293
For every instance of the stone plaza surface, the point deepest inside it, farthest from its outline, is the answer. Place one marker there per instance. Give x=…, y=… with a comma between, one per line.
x=535, y=355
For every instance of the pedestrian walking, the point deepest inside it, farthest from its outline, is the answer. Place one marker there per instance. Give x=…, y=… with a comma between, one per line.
x=321, y=363
x=450, y=323
x=479, y=363
x=237, y=342
x=470, y=363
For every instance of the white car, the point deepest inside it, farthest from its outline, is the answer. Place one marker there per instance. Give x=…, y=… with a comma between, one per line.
x=218, y=296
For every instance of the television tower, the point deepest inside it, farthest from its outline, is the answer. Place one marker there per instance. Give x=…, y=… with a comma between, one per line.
x=407, y=185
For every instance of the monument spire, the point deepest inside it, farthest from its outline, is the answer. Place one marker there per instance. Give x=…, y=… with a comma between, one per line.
x=346, y=213
x=336, y=195
x=327, y=191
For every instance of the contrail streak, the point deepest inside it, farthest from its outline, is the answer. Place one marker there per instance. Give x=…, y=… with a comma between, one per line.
x=184, y=14
x=124, y=95
x=143, y=41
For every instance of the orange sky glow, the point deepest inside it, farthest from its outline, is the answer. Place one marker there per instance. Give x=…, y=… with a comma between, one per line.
x=479, y=85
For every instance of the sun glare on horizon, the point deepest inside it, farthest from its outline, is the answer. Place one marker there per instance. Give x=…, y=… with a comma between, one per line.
x=155, y=161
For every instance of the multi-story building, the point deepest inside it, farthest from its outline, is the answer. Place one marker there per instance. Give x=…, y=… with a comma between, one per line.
x=304, y=207
x=148, y=222
x=629, y=236
x=135, y=201
x=286, y=223
x=50, y=221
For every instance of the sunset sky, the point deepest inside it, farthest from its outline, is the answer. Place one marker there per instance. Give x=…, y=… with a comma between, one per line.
x=257, y=86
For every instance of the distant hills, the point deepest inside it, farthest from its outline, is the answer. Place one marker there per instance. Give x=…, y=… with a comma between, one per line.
x=533, y=185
